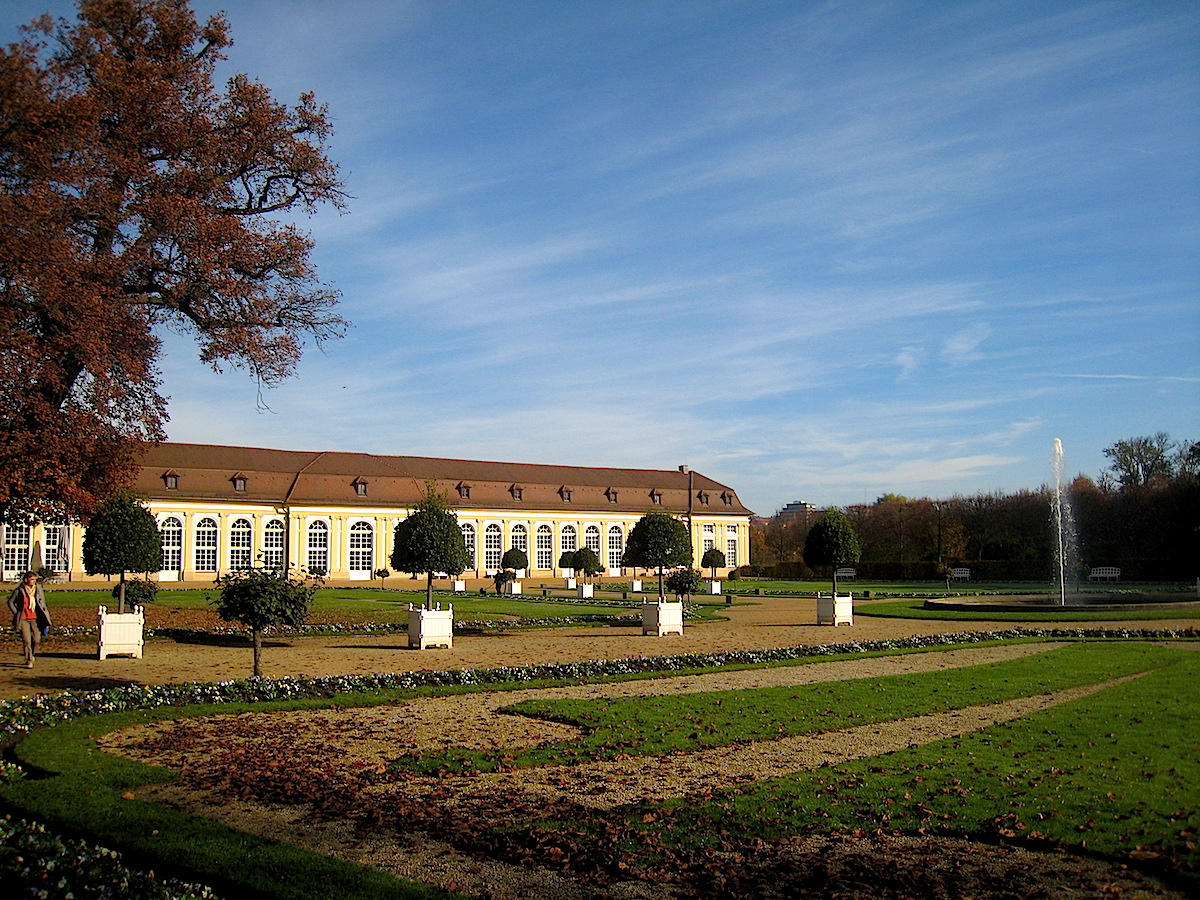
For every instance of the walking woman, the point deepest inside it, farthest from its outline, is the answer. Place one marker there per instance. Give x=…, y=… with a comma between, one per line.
x=30, y=616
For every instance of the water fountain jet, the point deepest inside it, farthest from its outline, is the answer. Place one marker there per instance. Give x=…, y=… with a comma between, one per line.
x=1065, y=550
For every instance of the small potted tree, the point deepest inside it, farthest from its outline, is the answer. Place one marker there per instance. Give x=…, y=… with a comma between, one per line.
x=587, y=564
x=514, y=562
x=566, y=563
x=121, y=537
x=711, y=560
x=260, y=598
x=832, y=542
x=429, y=541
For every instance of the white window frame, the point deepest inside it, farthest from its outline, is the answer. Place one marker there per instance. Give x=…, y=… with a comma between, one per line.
x=273, y=544
x=206, y=543
x=241, y=544
x=468, y=533
x=316, y=555
x=360, y=552
x=544, y=545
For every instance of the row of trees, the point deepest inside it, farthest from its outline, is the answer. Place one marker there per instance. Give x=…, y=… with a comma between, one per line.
x=1141, y=514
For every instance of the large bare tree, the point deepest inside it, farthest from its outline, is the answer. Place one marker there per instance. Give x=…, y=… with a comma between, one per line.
x=135, y=196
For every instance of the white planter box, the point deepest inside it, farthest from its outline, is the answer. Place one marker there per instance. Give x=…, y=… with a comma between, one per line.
x=514, y=588
x=120, y=634
x=835, y=610
x=430, y=627
x=635, y=585
x=460, y=586
x=662, y=617
x=585, y=590
x=714, y=587
x=570, y=583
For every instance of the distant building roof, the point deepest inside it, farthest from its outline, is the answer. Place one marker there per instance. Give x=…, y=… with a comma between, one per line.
x=325, y=478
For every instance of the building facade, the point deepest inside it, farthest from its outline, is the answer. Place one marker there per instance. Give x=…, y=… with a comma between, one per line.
x=225, y=508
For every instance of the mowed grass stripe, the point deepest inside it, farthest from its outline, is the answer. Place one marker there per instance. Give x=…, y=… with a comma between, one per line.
x=694, y=721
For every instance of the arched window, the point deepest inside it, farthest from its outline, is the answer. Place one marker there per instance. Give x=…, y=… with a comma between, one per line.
x=468, y=533
x=272, y=552
x=569, y=539
x=520, y=539
x=16, y=550
x=241, y=544
x=318, y=548
x=545, y=548
x=57, y=549
x=362, y=548
x=591, y=538
x=616, y=547
x=171, y=532
x=206, y=545
x=492, y=551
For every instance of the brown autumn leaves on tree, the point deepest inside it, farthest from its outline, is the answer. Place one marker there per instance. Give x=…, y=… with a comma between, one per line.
x=135, y=196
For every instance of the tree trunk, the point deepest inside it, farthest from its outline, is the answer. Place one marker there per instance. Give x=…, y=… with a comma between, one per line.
x=256, y=636
x=429, y=590
x=121, y=593
x=661, y=595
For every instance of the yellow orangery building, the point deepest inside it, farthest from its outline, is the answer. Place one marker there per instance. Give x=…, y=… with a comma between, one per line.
x=223, y=508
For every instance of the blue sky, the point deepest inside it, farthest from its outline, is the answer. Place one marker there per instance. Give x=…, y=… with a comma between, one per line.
x=816, y=251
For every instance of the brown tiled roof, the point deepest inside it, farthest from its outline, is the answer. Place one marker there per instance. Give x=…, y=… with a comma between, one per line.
x=327, y=478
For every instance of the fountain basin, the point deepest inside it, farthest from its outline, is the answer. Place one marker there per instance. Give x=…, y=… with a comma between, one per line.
x=1049, y=603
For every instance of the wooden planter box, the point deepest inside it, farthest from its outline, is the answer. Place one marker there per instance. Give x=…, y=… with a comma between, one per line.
x=120, y=634
x=635, y=586
x=662, y=617
x=460, y=586
x=570, y=583
x=835, y=610
x=714, y=587
x=514, y=588
x=585, y=590
x=430, y=627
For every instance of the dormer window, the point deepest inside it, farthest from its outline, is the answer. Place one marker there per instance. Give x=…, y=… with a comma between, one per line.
x=518, y=492
x=611, y=494
x=464, y=490
x=727, y=497
x=239, y=483
x=565, y=493
x=656, y=497
x=171, y=480
x=702, y=496
x=360, y=486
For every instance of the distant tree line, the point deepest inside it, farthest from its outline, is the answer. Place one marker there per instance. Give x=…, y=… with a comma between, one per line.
x=1141, y=514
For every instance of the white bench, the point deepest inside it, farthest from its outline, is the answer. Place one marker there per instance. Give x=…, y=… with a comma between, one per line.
x=846, y=573
x=1105, y=573
x=960, y=574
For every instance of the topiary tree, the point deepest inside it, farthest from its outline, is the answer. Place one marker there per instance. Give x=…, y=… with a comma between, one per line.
x=122, y=537
x=514, y=559
x=586, y=561
x=658, y=541
x=832, y=542
x=711, y=559
x=683, y=582
x=567, y=560
x=430, y=540
x=259, y=598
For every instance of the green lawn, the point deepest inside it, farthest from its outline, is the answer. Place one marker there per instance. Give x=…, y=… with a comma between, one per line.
x=352, y=605
x=913, y=609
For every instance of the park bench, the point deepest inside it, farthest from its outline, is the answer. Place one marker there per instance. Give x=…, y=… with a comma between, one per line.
x=846, y=573
x=1105, y=573
x=960, y=574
